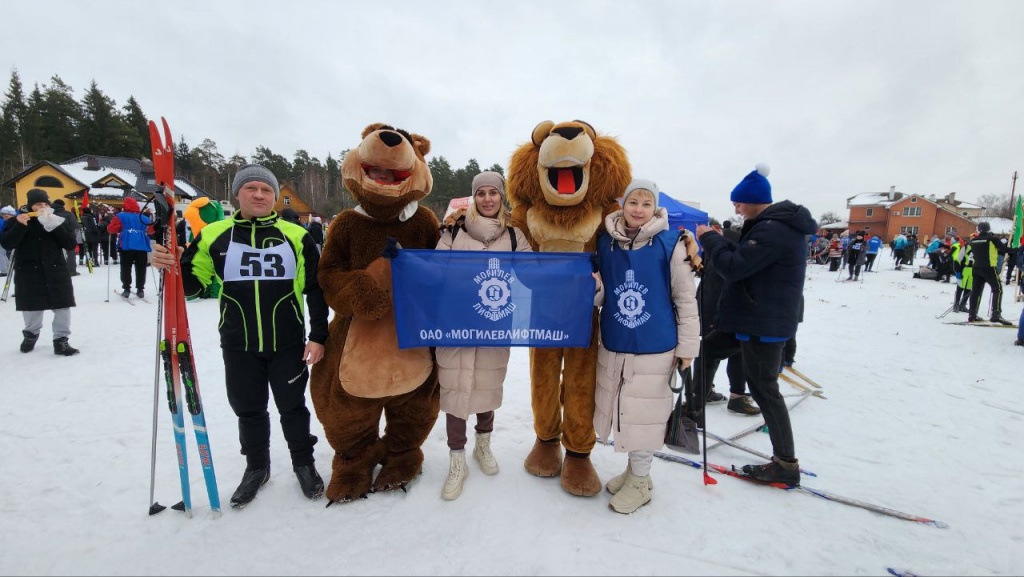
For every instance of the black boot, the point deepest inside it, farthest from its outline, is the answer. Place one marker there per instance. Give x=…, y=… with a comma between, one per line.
x=998, y=318
x=30, y=341
x=61, y=347
x=777, y=471
x=310, y=481
x=252, y=480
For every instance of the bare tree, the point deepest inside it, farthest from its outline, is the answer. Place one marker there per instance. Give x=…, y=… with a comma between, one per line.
x=996, y=205
x=828, y=218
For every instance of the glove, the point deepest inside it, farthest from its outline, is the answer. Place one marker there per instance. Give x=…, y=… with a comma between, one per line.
x=49, y=220
x=391, y=250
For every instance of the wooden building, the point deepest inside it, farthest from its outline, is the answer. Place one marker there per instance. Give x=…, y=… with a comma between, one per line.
x=109, y=180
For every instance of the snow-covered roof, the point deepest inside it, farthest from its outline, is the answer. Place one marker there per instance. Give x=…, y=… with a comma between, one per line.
x=841, y=225
x=869, y=199
x=969, y=205
x=185, y=188
x=999, y=224
x=88, y=177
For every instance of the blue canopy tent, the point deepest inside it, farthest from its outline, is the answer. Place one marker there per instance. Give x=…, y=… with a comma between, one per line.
x=680, y=214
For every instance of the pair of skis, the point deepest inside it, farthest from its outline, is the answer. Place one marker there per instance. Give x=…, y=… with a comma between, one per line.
x=175, y=346
x=828, y=496
x=801, y=381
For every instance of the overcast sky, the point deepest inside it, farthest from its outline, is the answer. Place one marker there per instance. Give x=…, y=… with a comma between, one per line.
x=838, y=97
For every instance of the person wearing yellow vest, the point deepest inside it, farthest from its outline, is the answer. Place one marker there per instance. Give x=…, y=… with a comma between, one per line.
x=986, y=249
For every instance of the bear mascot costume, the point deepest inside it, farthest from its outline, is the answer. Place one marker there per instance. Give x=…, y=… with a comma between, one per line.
x=363, y=373
x=561, y=185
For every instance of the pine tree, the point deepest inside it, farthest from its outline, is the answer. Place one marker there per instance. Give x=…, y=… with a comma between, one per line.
x=134, y=118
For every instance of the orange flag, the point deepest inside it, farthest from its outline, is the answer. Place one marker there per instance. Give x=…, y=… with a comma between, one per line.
x=85, y=199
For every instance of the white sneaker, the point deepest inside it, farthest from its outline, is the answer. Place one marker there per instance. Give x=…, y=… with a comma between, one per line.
x=457, y=472
x=483, y=455
x=635, y=493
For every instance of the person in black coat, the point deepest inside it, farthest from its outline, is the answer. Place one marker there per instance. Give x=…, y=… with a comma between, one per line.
x=41, y=277
x=91, y=234
x=716, y=346
x=316, y=230
x=764, y=281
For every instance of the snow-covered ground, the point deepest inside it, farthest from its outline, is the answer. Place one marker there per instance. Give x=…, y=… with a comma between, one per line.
x=921, y=416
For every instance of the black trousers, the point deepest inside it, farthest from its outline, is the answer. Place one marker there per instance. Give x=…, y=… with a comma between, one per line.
x=983, y=276
x=137, y=260
x=761, y=362
x=871, y=260
x=247, y=375
x=107, y=248
x=715, y=348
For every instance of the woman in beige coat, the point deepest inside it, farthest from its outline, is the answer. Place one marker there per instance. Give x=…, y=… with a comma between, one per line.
x=472, y=378
x=649, y=326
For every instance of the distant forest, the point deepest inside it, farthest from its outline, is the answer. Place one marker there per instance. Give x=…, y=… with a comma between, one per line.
x=50, y=124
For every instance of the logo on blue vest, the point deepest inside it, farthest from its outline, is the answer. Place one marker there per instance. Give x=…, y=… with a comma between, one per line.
x=494, y=292
x=631, y=302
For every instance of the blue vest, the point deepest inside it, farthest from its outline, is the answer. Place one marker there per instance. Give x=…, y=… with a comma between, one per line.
x=133, y=232
x=638, y=316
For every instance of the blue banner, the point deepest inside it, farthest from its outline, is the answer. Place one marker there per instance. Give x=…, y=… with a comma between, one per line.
x=459, y=298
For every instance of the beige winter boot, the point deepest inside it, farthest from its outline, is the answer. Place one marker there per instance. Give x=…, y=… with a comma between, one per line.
x=457, y=472
x=635, y=493
x=615, y=483
x=483, y=455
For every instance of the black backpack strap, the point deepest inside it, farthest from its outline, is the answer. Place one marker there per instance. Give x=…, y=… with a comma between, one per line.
x=455, y=231
x=512, y=237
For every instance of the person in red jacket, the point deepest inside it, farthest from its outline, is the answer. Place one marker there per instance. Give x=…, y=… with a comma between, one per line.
x=133, y=229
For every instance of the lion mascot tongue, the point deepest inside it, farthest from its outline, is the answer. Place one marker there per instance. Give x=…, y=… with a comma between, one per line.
x=363, y=374
x=561, y=185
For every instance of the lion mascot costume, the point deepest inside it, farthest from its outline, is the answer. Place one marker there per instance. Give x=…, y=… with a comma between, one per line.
x=561, y=185
x=363, y=373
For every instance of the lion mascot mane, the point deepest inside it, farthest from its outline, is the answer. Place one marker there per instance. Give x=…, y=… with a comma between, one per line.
x=363, y=373
x=561, y=185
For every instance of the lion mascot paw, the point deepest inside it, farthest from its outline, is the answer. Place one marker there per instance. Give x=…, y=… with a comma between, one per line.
x=364, y=374
x=561, y=185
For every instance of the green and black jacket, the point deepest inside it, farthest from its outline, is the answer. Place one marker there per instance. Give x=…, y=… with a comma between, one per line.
x=263, y=315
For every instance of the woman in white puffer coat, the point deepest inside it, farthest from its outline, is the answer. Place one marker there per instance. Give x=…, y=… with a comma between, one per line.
x=472, y=379
x=649, y=326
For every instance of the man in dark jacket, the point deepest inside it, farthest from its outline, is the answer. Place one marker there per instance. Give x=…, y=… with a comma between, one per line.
x=266, y=265
x=764, y=280
x=715, y=347
x=986, y=249
x=42, y=281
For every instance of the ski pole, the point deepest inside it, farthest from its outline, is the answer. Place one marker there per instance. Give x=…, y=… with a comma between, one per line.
x=155, y=507
x=10, y=275
x=949, y=310
x=108, y=269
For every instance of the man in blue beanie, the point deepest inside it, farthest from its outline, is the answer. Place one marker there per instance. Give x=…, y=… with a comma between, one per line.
x=764, y=282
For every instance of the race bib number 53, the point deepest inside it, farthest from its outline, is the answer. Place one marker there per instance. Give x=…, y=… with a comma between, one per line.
x=246, y=263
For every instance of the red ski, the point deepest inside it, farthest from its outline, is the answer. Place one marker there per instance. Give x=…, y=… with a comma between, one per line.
x=176, y=345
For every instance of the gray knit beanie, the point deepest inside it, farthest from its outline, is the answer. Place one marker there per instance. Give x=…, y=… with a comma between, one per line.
x=251, y=172
x=488, y=178
x=641, y=184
